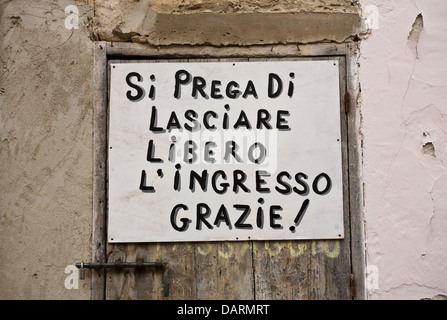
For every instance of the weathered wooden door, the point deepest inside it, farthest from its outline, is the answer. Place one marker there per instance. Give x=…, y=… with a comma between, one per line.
x=290, y=269
x=233, y=270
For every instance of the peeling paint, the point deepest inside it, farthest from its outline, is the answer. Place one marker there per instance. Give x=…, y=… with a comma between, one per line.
x=416, y=29
x=415, y=34
x=428, y=147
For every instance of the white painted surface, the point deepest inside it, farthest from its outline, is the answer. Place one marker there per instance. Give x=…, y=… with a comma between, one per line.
x=403, y=103
x=312, y=146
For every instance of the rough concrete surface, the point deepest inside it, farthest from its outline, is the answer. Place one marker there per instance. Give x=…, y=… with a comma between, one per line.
x=45, y=151
x=269, y=6
x=252, y=28
x=224, y=23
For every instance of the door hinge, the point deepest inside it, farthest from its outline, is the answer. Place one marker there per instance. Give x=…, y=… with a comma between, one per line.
x=352, y=285
x=347, y=102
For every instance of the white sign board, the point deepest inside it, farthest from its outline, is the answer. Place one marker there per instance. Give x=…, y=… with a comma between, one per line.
x=208, y=151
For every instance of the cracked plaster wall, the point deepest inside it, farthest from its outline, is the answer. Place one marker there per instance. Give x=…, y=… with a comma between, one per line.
x=403, y=78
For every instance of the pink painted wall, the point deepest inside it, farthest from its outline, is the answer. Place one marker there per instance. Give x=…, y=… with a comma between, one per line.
x=403, y=104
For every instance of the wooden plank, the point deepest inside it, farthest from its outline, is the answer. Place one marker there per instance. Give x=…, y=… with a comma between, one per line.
x=302, y=270
x=176, y=281
x=309, y=269
x=122, y=49
x=224, y=270
x=208, y=270
x=355, y=172
x=99, y=167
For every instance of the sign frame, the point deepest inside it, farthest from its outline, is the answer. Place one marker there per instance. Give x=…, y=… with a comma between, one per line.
x=128, y=231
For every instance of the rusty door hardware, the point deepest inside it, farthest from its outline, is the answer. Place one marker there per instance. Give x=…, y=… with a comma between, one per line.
x=353, y=286
x=117, y=265
x=347, y=102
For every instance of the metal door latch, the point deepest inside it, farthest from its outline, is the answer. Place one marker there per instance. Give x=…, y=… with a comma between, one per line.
x=117, y=265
